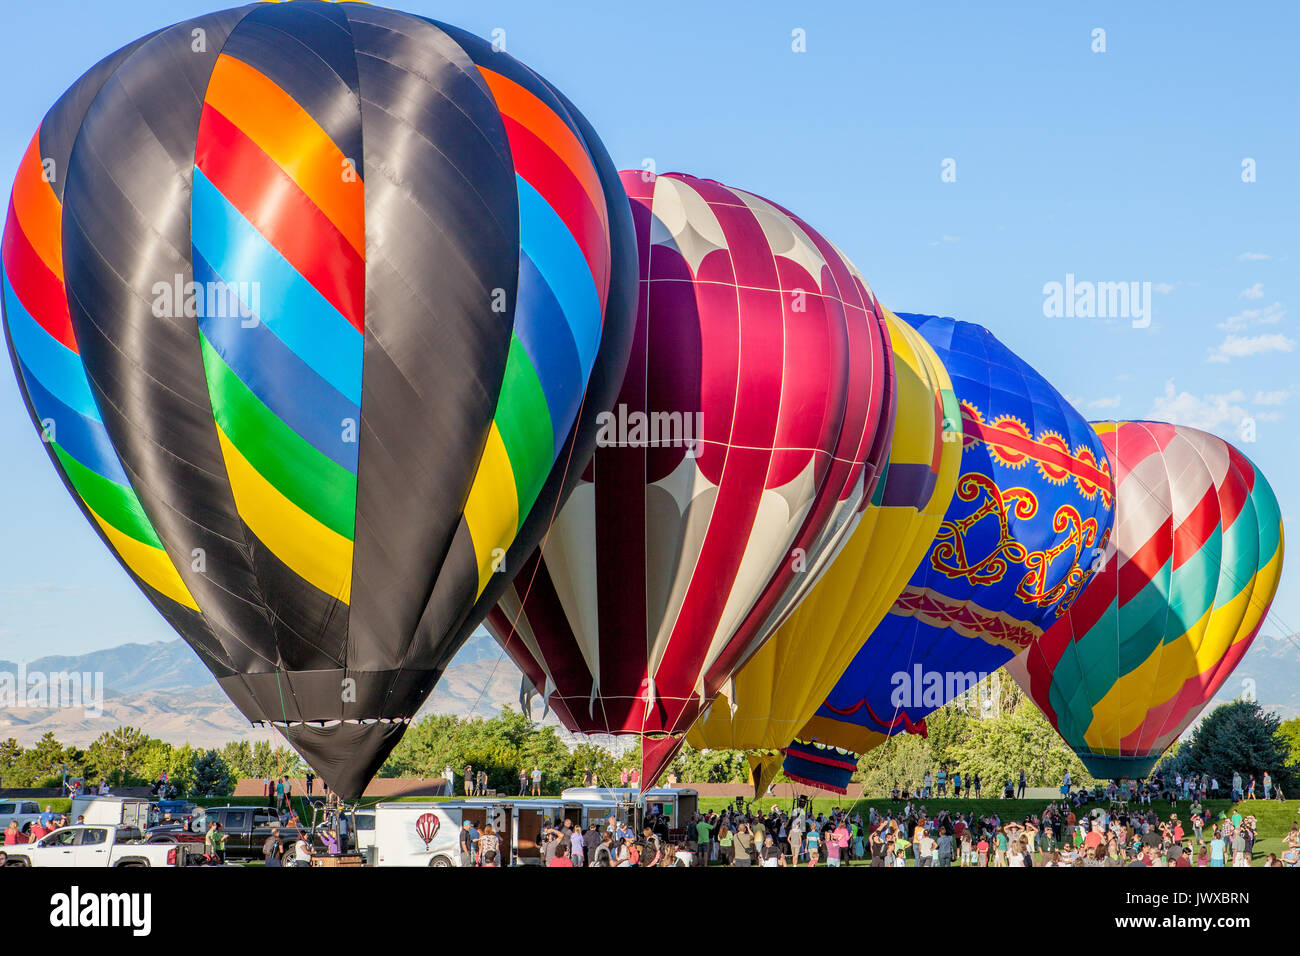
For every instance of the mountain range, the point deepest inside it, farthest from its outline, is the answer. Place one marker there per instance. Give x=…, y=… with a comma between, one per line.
x=164, y=689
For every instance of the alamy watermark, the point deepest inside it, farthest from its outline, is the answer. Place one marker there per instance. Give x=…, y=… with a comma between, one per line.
x=207, y=300
x=56, y=690
x=624, y=428
x=930, y=689
x=1084, y=299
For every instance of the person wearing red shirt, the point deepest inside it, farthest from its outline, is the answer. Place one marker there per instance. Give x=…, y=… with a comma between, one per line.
x=1094, y=838
x=561, y=857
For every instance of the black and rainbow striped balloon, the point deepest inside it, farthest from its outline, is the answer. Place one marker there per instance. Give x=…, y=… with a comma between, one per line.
x=306, y=300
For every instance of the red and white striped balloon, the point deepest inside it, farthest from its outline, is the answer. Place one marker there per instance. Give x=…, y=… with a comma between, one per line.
x=760, y=343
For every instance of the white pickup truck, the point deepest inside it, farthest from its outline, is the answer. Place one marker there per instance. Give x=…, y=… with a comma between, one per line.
x=99, y=846
x=24, y=811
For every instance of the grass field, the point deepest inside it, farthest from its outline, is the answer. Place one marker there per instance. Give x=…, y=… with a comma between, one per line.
x=1274, y=817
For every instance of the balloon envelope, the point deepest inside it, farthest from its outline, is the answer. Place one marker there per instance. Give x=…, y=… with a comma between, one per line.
x=784, y=683
x=1193, y=565
x=667, y=566
x=1031, y=508
x=305, y=299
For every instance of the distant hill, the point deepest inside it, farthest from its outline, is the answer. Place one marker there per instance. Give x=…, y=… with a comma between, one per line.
x=164, y=689
x=1273, y=664
x=128, y=668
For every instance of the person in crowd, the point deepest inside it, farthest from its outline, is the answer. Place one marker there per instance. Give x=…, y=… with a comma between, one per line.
x=465, y=843
x=489, y=847
x=214, y=843
x=301, y=853
x=560, y=858
x=743, y=846
x=273, y=848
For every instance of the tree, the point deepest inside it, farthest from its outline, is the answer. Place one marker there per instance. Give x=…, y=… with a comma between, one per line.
x=710, y=766
x=43, y=764
x=10, y=753
x=502, y=746
x=1240, y=736
x=211, y=776
x=900, y=761
x=116, y=755
x=1289, y=731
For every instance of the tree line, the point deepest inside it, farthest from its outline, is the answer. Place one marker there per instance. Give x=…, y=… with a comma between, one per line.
x=1239, y=736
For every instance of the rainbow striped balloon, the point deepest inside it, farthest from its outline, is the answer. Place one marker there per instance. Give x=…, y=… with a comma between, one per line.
x=306, y=300
x=1193, y=565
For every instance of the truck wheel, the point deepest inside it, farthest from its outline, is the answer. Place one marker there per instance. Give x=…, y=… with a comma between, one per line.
x=440, y=861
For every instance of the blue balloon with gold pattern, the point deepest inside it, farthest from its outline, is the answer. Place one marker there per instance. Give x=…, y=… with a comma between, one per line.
x=1025, y=528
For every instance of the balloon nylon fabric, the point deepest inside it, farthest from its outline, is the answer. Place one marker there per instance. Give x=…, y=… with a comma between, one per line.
x=751, y=427
x=1193, y=567
x=784, y=683
x=1031, y=509
x=306, y=299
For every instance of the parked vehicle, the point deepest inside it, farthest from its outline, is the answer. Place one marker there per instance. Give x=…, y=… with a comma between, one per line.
x=114, y=811
x=678, y=804
x=99, y=846
x=365, y=836
x=427, y=833
x=24, y=811
x=179, y=810
x=246, y=829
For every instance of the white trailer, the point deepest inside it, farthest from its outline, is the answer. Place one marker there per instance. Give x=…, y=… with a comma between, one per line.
x=427, y=833
x=112, y=811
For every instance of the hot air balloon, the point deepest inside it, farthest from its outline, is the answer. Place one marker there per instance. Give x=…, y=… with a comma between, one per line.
x=315, y=306
x=1031, y=510
x=426, y=827
x=783, y=684
x=761, y=359
x=1192, y=567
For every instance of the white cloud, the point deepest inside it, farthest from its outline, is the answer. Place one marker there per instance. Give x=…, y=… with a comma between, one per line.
x=1253, y=257
x=1242, y=346
x=1254, y=292
x=1269, y=315
x=1163, y=288
x=1209, y=412
x=1276, y=397
x=1111, y=401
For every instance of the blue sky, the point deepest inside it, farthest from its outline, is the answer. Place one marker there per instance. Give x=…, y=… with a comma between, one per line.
x=1123, y=165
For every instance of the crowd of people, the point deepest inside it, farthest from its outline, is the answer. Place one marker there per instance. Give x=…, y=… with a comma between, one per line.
x=1114, y=825
x=608, y=841
x=1176, y=786
x=45, y=824
x=1106, y=835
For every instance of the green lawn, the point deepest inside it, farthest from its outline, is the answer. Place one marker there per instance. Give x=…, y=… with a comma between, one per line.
x=1274, y=817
